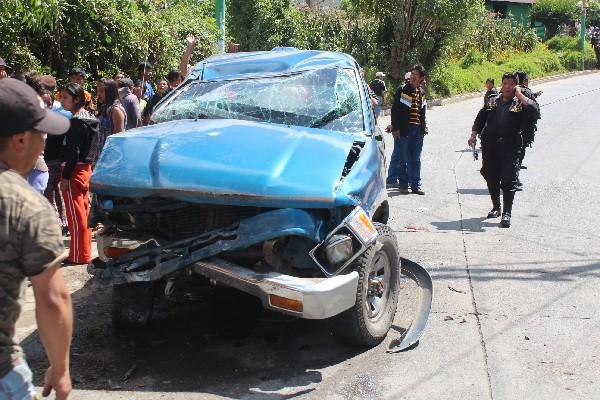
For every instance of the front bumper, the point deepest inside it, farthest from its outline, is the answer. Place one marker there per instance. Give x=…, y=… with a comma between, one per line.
x=320, y=297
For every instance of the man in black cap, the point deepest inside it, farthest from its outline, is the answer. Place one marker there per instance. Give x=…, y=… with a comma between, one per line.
x=4, y=69
x=500, y=125
x=30, y=246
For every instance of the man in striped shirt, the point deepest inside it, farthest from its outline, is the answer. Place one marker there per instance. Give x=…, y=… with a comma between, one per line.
x=408, y=127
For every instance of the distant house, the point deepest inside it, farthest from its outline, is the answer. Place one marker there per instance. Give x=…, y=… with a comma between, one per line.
x=519, y=11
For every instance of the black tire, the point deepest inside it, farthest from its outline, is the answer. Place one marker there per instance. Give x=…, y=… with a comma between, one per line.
x=364, y=324
x=132, y=305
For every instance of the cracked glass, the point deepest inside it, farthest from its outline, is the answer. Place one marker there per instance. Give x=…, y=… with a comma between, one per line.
x=323, y=98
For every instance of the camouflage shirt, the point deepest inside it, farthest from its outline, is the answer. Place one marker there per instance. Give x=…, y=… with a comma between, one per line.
x=30, y=241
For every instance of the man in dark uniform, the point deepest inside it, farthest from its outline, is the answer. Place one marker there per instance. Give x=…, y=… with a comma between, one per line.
x=500, y=126
x=529, y=135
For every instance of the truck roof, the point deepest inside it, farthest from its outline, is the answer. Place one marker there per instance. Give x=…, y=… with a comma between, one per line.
x=279, y=61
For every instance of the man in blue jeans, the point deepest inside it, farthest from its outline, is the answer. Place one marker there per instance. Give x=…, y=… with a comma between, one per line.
x=30, y=246
x=408, y=128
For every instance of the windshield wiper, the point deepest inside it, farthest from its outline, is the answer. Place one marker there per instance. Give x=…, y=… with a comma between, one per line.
x=340, y=111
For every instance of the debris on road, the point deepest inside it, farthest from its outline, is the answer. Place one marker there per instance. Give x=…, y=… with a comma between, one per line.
x=414, y=228
x=448, y=318
x=456, y=290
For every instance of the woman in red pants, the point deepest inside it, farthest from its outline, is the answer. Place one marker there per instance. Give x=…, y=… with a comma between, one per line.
x=76, y=172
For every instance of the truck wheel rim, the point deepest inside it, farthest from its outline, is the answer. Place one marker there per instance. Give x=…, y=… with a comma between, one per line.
x=378, y=285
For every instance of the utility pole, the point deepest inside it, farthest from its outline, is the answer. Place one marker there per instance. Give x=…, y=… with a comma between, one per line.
x=220, y=17
x=581, y=5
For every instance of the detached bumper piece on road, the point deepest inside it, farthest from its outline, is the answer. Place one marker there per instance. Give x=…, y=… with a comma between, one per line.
x=411, y=336
x=310, y=298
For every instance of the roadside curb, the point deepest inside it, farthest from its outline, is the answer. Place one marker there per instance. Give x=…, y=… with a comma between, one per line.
x=467, y=96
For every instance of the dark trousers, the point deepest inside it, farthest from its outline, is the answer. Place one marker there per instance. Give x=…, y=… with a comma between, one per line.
x=500, y=166
x=52, y=191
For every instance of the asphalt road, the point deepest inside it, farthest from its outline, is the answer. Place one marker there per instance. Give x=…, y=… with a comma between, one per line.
x=516, y=312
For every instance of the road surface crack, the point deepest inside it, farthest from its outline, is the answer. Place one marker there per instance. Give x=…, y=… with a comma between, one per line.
x=476, y=313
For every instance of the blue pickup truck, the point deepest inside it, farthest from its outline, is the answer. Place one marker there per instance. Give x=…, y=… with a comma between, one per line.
x=262, y=172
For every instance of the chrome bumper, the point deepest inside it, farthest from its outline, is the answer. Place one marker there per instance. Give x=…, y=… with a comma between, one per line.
x=320, y=297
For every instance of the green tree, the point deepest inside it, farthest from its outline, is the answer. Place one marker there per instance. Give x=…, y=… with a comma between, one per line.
x=103, y=36
x=417, y=28
x=554, y=13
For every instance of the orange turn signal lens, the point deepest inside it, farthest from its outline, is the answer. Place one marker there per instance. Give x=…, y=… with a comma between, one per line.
x=285, y=303
x=115, y=251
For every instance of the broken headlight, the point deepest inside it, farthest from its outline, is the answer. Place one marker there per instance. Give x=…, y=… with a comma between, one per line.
x=346, y=242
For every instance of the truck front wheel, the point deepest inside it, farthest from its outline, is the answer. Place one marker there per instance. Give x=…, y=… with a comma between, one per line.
x=369, y=320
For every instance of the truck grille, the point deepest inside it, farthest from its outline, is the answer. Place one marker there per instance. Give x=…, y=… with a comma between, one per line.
x=195, y=219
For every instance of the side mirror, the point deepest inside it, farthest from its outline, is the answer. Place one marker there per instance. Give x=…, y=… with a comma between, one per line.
x=379, y=137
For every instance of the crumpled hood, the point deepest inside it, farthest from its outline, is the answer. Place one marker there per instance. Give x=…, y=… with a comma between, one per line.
x=226, y=162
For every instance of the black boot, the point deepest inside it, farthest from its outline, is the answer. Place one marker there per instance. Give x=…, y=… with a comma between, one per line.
x=508, y=198
x=495, y=195
x=494, y=213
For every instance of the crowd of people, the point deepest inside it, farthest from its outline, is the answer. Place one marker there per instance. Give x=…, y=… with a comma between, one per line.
x=52, y=136
x=62, y=173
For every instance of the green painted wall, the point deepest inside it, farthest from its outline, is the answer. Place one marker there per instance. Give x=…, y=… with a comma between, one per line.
x=519, y=13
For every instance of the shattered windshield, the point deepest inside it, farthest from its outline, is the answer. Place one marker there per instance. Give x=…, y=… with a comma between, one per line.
x=324, y=98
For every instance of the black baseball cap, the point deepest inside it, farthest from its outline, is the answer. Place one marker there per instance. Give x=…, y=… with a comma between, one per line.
x=22, y=109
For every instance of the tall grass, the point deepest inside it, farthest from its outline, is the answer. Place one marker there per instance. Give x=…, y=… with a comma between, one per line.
x=469, y=73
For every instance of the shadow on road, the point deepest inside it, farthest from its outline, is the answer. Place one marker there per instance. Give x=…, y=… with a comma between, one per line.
x=185, y=349
x=501, y=272
x=478, y=192
x=476, y=224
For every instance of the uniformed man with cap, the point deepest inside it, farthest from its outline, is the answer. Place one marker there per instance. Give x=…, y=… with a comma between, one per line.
x=30, y=246
x=500, y=126
x=529, y=135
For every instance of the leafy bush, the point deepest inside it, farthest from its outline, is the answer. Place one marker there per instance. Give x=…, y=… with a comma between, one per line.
x=473, y=57
x=264, y=24
x=593, y=13
x=103, y=36
x=491, y=36
x=554, y=13
x=568, y=50
x=449, y=78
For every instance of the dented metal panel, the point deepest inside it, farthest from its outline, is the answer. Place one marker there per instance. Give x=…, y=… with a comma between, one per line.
x=225, y=162
x=151, y=262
